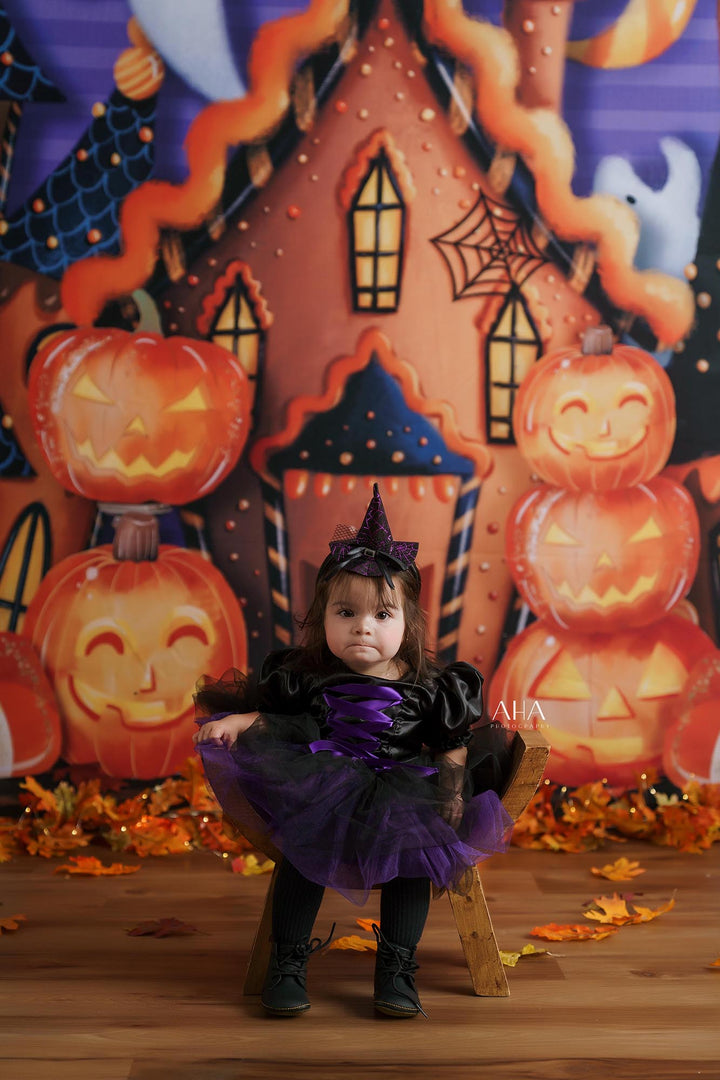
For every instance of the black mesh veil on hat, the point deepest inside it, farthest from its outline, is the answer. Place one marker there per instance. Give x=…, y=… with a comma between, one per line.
x=371, y=551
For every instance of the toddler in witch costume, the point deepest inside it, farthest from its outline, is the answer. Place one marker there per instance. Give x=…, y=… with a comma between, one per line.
x=354, y=761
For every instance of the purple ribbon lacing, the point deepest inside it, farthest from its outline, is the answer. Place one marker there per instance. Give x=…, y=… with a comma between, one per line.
x=355, y=725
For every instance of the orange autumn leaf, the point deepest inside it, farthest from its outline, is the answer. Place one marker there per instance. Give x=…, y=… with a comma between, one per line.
x=354, y=943
x=572, y=932
x=160, y=928
x=46, y=799
x=367, y=924
x=92, y=867
x=621, y=870
x=616, y=910
x=715, y=964
x=648, y=914
x=610, y=909
x=11, y=922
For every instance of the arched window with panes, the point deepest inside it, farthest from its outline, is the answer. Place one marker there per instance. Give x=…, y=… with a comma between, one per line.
x=511, y=348
x=376, y=220
x=238, y=322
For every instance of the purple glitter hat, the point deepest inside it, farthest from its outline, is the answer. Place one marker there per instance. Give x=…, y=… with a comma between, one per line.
x=371, y=551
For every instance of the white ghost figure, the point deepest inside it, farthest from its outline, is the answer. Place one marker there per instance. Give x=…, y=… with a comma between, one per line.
x=669, y=219
x=191, y=36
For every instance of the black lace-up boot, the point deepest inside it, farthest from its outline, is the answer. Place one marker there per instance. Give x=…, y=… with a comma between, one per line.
x=395, y=967
x=284, y=991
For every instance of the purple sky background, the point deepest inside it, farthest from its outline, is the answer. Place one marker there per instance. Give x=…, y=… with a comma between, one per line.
x=608, y=112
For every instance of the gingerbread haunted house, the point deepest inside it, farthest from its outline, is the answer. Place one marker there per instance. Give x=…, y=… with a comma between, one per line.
x=392, y=245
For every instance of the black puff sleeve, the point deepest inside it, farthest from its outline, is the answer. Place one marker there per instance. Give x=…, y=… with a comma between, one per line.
x=282, y=686
x=457, y=705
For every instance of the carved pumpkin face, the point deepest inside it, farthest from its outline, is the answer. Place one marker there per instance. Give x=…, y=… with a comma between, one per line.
x=134, y=417
x=595, y=422
x=123, y=644
x=603, y=561
x=29, y=720
x=606, y=700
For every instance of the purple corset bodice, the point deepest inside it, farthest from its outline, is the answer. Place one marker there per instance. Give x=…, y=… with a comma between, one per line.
x=356, y=719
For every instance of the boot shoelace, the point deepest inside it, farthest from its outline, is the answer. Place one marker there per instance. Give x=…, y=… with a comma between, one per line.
x=399, y=966
x=293, y=959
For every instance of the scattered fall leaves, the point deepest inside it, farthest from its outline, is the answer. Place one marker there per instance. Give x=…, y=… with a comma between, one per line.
x=610, y=912
x=10, y=923
x=173, y=817
x=621, y=870
x=179, y=815
x=89, y=866
x=355, y=943
x=161, y=928
x=591, y=816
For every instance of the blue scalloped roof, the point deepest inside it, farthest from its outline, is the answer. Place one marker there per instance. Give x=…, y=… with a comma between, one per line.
x=84, y=192
x=371, y=432
x=21, y=79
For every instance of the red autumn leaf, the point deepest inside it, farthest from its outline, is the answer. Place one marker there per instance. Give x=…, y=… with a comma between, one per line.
x=572, y=932
x=89, y=866
x=162, y=928
x=11, y=922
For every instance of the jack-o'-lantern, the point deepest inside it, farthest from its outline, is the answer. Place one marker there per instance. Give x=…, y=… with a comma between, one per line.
x=598, y=419
x=130, y=418
x=123, y=643
x=604, y=702
x=29, y=719
x=692, y=745
x=603, y=561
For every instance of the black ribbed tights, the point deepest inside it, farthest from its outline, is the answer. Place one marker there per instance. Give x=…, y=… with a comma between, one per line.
x=404, y=904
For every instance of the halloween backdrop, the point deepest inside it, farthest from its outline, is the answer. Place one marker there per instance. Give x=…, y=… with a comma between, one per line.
x=257, y=255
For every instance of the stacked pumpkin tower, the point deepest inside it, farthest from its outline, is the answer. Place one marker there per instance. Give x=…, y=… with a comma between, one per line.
x=602, y=551
x=125, y=629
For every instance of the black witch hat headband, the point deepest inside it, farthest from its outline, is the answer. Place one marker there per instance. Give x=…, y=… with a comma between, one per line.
x=371, y=551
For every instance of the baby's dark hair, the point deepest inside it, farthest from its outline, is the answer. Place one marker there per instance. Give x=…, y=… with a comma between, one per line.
x=412, y=651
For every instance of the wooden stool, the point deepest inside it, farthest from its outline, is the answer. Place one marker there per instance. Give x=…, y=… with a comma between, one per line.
x=529, y=754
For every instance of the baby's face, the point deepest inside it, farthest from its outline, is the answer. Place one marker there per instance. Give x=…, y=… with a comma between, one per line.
x=364, y=632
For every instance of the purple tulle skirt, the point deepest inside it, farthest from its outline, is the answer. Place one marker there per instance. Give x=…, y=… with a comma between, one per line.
x=348, y=823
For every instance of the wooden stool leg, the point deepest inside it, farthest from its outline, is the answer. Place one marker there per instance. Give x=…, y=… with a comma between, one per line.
x=472, y=919
x=261, y=946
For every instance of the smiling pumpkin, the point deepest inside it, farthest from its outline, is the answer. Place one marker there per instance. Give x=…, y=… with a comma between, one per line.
x=597, y=419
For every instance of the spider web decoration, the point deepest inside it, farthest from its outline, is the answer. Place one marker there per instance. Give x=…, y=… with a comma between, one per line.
x=489, y=251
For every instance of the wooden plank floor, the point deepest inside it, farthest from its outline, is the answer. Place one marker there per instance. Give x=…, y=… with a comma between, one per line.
x=83, y=1001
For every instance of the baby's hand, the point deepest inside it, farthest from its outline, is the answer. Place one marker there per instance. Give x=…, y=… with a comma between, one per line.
x=224, y=731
